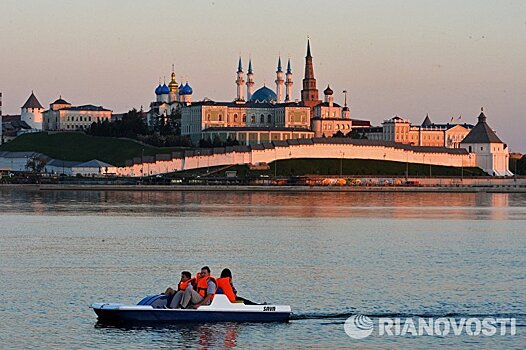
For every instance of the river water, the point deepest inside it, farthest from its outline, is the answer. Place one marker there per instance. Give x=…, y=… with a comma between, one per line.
x=328, y=255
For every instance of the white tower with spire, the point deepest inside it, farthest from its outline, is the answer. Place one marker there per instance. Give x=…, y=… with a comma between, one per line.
x=240, y=81
x=288, y=83
x=280, y=83
x=31, y=112
x=250, y=80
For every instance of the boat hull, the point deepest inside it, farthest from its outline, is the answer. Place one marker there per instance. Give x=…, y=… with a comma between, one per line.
x=187, y=316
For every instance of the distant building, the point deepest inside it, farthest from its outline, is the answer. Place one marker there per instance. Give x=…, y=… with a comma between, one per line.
x=330, y=118
x=19, y=161
x=429, y=134
x=264, y=115
x=12, y=126
x=169, y=99
x=32, y=112
x=93, y=167
x=65, y=117
x=492, y=154
x=247, y=122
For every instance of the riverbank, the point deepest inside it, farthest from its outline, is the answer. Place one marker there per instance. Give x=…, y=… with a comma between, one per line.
x=299, y=189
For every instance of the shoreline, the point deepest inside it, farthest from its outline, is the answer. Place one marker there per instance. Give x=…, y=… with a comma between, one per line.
x=288, y=189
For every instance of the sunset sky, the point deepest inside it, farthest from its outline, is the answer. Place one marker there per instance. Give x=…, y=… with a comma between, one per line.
x=411, y=57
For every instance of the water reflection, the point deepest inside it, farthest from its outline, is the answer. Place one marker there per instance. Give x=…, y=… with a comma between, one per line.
x=148, y=203
x=215, y=335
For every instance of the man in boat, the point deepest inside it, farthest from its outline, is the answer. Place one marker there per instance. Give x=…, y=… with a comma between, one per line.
x=206, y=289
x=174, y=297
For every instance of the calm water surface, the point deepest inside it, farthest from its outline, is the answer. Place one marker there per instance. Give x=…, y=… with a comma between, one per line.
x=328, y=255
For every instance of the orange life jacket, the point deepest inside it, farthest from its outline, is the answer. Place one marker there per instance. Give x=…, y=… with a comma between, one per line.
x=225, y=284
x=183, y=285
x=202, y=285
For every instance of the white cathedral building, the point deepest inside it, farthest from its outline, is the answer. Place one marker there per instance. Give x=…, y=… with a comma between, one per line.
x=169, y=98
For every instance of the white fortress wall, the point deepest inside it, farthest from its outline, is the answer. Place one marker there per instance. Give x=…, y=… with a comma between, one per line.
x=260, y=154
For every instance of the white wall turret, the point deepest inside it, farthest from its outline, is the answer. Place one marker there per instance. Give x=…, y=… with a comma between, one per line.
x=492, y=154
x=288, y=83
x=250, y=80
x=280, y=87
x=31, y=112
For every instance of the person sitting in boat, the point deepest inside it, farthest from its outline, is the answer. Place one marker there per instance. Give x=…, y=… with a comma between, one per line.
x=225, y=286
x=174, y=297
x=206, y=289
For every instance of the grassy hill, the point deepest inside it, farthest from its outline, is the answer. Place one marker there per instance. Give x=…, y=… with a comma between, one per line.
x=322, y=166
x=81, y=147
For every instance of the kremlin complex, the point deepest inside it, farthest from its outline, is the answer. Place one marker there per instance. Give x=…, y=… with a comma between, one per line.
x=267, y=117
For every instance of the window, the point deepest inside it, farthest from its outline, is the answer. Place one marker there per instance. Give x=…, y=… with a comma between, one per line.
x=253, y=119
x=262, y=119
x=235, y=117
x=220, y=118
x=244, y=118
x=269, y=119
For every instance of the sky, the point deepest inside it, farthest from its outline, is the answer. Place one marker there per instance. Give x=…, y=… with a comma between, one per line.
x=408, y=58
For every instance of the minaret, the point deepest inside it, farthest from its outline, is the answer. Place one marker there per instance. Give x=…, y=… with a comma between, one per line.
x=250, y=80
x=346, y=111
x=288, y=83
x=279, y=82
x=240, y=81
x=309, y=93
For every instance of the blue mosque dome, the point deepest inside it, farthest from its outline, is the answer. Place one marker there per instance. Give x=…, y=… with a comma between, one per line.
x=158, y=89
x=187, y=89
x=165, y=89
x=181, y=87
x=264, y=94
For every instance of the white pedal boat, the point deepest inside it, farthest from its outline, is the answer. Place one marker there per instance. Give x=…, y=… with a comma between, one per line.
x=220, y=310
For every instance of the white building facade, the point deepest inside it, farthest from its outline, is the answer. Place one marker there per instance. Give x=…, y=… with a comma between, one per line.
x=65, y=117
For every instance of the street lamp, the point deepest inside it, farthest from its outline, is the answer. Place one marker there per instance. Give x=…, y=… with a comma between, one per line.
x=406, y=165
x=462, y=170
x=341, y=162
x=275, y=162
x=142, y=165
